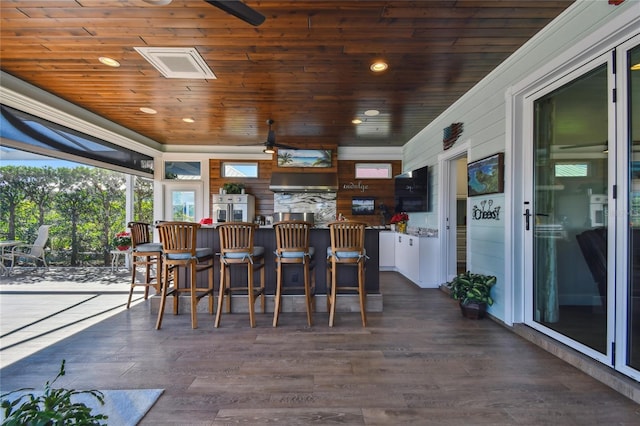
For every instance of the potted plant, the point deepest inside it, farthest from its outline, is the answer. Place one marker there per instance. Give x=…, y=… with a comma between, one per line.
x=473, y=291
x=400, y=221
x=54, y=406
x=122, y=241
x=233, y=188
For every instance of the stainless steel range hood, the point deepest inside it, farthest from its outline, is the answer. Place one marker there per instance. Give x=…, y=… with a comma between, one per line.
x=304, y=182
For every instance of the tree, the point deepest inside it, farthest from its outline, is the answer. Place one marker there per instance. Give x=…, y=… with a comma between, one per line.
x=107, y=191
x=40, y=187
x=12, y=193
x=143, y=200
x=72, y=201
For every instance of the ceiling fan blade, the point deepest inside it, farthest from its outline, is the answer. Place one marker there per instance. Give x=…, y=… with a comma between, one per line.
x=281, y=146
x=271, y=138
x=239, y=10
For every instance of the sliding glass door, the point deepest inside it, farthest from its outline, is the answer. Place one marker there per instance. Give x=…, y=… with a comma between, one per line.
x=570, y=198
x=629, y=295
x=582, y=237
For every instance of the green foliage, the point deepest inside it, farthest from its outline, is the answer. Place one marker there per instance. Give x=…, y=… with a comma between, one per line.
x=469, y=288
x=85, y=207
x=233, y=188
x=122, y=239
x=53, y=407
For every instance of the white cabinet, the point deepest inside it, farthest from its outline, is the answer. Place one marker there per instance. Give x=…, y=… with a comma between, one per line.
x=408, y=256
x=417, y=258
x=387, y=252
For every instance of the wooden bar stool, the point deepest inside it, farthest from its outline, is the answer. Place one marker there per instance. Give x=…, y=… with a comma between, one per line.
x=292, y=248
x=347, y=248
x=179, y=250
x=144, y=253
x=236, y=248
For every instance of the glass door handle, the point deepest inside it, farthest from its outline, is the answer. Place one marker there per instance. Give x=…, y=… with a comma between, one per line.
x=527, y=219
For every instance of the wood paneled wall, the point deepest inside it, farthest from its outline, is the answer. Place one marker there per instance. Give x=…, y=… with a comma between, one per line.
x=382, y=190
x=258, y=187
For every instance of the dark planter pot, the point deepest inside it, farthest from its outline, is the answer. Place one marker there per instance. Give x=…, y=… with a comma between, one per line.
x=473, y=310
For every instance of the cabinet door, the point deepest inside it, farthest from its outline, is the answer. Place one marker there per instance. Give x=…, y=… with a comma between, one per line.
x=413, y=259
x=387, y=252
x=408, y=256
x=401, y=255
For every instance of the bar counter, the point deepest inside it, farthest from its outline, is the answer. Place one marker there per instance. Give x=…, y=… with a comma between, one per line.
x=319, y=238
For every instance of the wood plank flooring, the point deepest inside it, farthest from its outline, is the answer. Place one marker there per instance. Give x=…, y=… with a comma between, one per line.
x=417, y=363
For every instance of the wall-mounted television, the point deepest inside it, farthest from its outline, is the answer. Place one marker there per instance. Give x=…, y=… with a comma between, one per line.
x=412, y=191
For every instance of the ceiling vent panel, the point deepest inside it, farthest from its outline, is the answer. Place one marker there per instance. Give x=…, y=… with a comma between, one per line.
x=177, y=62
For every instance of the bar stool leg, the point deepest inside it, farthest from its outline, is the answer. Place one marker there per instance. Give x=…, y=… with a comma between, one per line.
x=276, y=310
x=333, y=293
x=361, y=293
x=252, y=319
x=163, y=296
x=307, y=292
x=133, y=281
x=193, y=294
x=262, y=295
x=211, y=290
x=176, y=286
x=221, y=291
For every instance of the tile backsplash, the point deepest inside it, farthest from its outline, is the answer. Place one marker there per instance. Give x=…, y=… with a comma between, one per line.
x=321, y=204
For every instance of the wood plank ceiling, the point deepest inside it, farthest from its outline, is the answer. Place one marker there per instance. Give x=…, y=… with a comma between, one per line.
x=306, y=66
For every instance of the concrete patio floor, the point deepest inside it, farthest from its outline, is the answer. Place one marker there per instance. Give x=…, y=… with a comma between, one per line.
x=38, y=309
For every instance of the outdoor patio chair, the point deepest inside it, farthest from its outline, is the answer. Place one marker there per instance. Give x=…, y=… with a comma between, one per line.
x=24, y=254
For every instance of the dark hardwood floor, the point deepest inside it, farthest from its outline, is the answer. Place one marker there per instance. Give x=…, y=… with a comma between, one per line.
x=417, y=363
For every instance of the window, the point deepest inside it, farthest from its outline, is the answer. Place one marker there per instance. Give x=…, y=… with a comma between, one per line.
x=245, y=170
x=571, y=169
x=373, y=171
x=182, y=170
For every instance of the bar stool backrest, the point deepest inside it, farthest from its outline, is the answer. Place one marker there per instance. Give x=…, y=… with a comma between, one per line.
x=347, y=236
x=236, y=238
x=178, y=238
x=292, y=238
x=140, y=233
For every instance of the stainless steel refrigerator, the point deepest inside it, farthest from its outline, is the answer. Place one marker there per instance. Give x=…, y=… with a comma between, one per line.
x=232, y=208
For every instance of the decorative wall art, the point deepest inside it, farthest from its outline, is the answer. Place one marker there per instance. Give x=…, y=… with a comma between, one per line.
x=451, y=134
x=304, y=158
x=361, y=206
x=486, y=176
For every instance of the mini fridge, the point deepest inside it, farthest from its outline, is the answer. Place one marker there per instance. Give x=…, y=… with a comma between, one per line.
x=232, y=208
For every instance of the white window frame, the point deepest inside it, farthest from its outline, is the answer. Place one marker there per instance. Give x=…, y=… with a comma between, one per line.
x=380, y=166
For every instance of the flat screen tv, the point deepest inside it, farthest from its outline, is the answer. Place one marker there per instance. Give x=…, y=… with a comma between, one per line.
x=412, y=191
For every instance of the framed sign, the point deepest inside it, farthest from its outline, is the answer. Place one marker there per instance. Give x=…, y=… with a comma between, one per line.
x=486, y=176
x=361, y=205
x=304, y=158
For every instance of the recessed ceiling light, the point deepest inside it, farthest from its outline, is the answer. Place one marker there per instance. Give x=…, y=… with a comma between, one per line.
x=109, y=61
x=148, y=110
x=188, y=120
x=371, y=112
x=356, y=121
x=158, y=2
x=378, y=66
